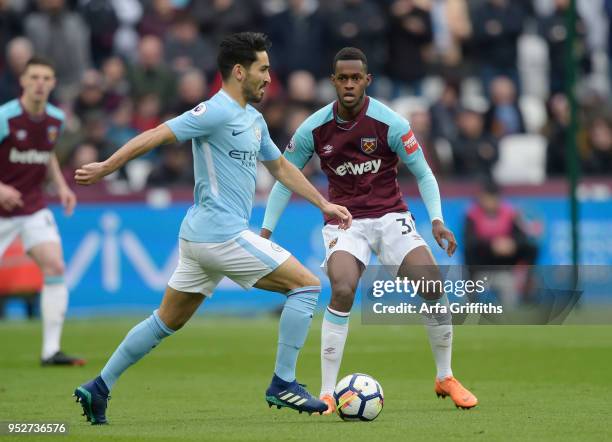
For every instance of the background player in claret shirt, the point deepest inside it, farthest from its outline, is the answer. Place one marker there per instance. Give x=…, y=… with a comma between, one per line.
x=358, y=141
x=29, y=128
x=228, y=137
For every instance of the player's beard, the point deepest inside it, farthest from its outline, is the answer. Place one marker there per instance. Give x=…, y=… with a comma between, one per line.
x=251, y=92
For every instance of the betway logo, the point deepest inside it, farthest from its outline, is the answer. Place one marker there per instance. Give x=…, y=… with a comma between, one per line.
x=372, y=166
x=31, y=156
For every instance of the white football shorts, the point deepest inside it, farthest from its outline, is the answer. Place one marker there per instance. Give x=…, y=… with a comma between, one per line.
x=34, y=229
x=391, y=237
x=244, y=259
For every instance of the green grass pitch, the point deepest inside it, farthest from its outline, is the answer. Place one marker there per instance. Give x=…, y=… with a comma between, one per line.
x=207, y=383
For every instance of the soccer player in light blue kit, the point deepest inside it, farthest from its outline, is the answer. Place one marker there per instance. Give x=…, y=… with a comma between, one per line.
x=228, y=137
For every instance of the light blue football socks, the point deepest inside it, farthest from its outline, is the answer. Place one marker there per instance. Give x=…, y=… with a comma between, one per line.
x=293, y=328
x=138, y=342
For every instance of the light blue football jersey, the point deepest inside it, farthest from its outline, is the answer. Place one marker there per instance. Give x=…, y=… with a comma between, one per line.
x=227, y=141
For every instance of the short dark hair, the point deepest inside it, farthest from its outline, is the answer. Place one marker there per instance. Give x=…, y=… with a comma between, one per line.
x=241, y=49
x=39, y=61
x=350, y=54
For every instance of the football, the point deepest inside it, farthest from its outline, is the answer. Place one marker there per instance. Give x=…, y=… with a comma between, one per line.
x=358, y=397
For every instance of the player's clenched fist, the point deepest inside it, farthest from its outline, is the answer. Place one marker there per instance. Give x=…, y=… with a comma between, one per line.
x=90, y=173
x=10, y=198
x=341, y=213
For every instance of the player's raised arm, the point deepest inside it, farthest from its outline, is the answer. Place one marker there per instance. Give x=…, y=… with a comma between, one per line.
x=146, y=141
x=294, y=179
x=404, y=142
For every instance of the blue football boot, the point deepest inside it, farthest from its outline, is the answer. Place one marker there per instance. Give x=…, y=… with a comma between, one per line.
x=293, y=395
x=93, y=397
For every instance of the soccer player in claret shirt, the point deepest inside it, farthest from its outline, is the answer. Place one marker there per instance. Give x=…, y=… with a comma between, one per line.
x=228, y=137
x=359, y=140
x=29, y=129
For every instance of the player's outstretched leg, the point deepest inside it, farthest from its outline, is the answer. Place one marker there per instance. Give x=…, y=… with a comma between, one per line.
x=176, y=309
x=53, y=304
x=419, y=264
x=344, y=272
x=302, y=290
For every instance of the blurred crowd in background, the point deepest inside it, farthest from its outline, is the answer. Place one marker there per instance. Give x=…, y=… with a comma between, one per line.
x=481, y=81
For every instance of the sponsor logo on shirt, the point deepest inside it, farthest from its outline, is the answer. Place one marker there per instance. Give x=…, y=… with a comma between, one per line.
x=248, y=158
x=371, y=166
x=199, y=109
x=368, y=144
x=31, y=156
x=410, y=142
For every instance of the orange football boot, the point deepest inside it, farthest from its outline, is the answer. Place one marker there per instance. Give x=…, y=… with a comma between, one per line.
x=331, y=403
x=461, y=396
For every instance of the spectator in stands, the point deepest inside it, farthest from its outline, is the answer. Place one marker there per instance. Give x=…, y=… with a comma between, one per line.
x=302, y=89
x=598, y=159
x=62, y=36
x=18, y=52
x=174, y=167
x=148, y=113
x=410, y=31
x=217, y=18
x=495, y=234
x=298, y=39
x=451, y=27
x=556, y=132
x=102, y=21
x=554, y=30
x=474, y=150
x=116, y=83
x=444, y=111
x=362, y=24
x=151, y=76
x=275, y=114
x=496, y=27
x=185, y=48
x=157, y=19
x=11, y=26
x=421, y=125
x=192, y=91
x=504, y=116
x=120, y=129
x=91, y=98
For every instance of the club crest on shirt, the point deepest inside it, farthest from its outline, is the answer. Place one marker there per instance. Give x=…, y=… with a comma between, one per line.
x=21, y=134
x=52, y=132
x=332, y=243
x=257, y=131
x=368, y=144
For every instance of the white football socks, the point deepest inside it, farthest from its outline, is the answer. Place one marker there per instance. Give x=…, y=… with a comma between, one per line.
x=440, y=331
x=333, y=337
x=53, y=305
